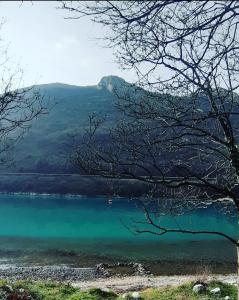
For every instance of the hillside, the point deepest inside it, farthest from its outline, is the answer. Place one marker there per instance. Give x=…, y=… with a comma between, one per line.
x=41, y=158
x=47, y=144
x=45, y=147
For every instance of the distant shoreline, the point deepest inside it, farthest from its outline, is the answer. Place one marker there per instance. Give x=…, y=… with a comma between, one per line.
x=74, y=184
x=51, y=194
x=67, y=183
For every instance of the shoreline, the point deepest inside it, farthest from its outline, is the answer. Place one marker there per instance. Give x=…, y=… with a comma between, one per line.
x=86, y=278
x=55, y=194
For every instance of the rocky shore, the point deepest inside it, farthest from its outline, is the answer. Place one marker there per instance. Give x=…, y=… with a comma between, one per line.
x=69, y=274
x=55, y=273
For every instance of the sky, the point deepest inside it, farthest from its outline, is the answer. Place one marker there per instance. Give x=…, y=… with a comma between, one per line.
x=50, y=48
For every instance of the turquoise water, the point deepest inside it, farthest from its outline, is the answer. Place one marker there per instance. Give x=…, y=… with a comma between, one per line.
x=67, y=229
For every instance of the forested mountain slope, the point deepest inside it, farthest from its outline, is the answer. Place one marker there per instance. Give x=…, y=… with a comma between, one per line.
x=46, y=145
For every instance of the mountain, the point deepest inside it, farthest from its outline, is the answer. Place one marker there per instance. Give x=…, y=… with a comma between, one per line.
x=44, y=146
x=40, y=158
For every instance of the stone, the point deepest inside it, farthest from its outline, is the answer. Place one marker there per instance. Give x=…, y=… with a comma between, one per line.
x=105, y=289
x=215, y=291
x=135, y=295
x=101, y=271
x=199, y=288
x=227, y=298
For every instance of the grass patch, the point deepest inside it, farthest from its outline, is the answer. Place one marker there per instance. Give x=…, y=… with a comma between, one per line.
x=54, y=291
x=184, y=292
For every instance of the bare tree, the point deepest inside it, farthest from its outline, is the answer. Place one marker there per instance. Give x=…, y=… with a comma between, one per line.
x=19, y=106
x=182, y=134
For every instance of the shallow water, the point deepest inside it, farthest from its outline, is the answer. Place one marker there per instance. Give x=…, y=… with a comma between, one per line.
x=78, y=230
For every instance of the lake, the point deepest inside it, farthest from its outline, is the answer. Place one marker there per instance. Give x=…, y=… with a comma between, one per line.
x=83, y=231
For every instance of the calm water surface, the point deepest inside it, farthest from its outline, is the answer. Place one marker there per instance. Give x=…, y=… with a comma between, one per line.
x=80, y=230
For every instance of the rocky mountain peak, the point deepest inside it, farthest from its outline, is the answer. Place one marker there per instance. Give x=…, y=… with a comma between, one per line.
x=112, y=83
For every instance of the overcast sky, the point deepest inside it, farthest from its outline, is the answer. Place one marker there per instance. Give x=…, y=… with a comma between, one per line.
x=50, y=48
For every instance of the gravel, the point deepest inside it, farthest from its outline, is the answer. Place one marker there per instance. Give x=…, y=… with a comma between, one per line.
x=55, y=273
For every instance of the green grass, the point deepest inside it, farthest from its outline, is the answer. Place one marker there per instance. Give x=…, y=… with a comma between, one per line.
x=184, y=292
x=54, y=291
